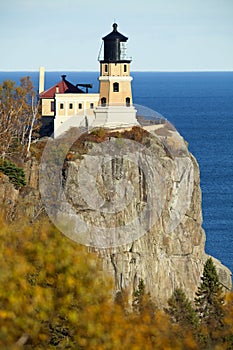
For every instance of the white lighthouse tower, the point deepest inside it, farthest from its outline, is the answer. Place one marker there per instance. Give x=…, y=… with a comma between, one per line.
x=115, y=108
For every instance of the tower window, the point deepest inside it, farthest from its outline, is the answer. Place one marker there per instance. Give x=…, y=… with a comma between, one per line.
x=115, y=87
x=71, y=106
x=61, y=105
x=91, y=105
x=125, y=68
x=106, y=68
x=103, y=101
x=80, y=106
x=127, y=101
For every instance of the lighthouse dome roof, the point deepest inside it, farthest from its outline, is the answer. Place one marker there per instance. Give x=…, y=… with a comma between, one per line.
x=115, y=35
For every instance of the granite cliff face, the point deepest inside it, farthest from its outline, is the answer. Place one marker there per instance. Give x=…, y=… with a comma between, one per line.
x=144, y=203
x=170, y=253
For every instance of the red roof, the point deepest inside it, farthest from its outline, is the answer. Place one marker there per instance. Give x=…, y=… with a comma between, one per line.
x=64, y=86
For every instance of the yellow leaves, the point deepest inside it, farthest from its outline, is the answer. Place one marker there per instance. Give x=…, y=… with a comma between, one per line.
x=55, y=291
x=189, y=342
x=70, y=282
x=17, y=111
x=48, y=278
x=4, y=314
x=73, y=317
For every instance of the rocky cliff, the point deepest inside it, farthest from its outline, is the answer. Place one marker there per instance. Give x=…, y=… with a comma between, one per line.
x=168, y=249
x=136, y=198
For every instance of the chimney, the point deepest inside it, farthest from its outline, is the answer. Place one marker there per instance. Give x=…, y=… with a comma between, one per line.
x=57, y=89
x=41, y=80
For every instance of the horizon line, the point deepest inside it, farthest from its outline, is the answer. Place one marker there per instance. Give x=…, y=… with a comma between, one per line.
x=137, y=70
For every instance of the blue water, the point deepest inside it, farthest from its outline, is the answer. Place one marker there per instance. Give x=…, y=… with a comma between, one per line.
x=200, y=105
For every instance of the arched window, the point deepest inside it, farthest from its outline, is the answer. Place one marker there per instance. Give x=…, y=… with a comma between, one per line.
x=115, y=87
x=103, y=101
x=127, y=101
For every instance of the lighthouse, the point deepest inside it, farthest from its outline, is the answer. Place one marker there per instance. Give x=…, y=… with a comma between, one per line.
x=115, y=107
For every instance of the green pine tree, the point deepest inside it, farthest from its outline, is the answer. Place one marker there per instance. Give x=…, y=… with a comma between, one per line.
x=181, y=310
x=209, y=302
x=16, y=174
x=142, y=302
x=138, y=295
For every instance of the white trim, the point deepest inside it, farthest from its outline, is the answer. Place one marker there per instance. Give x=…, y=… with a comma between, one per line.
x=115, y=78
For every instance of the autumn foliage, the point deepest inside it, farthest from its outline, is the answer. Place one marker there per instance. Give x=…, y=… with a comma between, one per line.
x=19, y=113
x=53, y=294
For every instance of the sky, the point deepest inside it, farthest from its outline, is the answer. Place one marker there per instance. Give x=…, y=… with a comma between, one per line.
x=164, y=35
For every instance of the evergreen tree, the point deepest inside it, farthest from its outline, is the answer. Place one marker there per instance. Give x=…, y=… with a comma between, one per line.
x=142, y=302
x=181, y=310
x=209, y=302
x=139, y=296
x=16, y=174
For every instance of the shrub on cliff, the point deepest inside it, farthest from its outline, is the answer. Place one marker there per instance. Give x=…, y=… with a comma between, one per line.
x=16, y=174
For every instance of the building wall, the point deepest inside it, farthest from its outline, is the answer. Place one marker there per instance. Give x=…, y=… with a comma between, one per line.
x=118, y=73
x=112, y=97
x=69, y=105
x=115, y=69
x=77, y=111
x=46, y=107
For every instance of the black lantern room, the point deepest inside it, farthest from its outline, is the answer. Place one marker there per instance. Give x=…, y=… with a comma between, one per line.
x=115, y=47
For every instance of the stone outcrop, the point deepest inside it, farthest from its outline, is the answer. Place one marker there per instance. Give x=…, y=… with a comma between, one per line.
x=8, y=197
x=140, y=202
x=170, y=252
